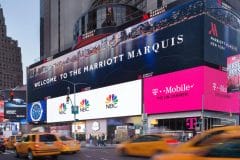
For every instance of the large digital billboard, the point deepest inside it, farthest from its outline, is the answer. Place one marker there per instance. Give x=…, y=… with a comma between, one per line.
x=168, y=42
x=1, y=110
x=188, y=90
x=36, y=112
x=15, y=110
x=119, y=100
x=220, y=41
x=233, y=68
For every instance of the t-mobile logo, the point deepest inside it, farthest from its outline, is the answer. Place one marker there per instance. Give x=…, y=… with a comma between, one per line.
x=213, y=30
x=191, y=123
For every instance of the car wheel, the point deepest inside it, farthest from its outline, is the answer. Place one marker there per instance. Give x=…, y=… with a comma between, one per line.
x=55, y=157
x=16, y=153
x=156, y=154
x=123, y=152
x=30, y=155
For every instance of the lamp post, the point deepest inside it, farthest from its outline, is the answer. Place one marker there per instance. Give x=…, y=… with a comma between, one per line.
x=74, y=107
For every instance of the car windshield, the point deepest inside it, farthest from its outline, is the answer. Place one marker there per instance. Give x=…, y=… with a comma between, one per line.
x=18, y=138
x=47, y=138
x=64, y=138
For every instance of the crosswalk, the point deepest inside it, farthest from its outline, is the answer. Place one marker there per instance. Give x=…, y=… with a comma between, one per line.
x=8, y=152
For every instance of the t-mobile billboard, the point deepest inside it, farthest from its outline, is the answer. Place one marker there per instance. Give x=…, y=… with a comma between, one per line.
x=189, y=90
x=162, y=44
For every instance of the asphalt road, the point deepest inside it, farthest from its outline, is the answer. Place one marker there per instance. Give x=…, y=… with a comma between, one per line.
x=84, y=154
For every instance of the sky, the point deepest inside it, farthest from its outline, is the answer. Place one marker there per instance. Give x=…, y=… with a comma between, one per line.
x=22, y=18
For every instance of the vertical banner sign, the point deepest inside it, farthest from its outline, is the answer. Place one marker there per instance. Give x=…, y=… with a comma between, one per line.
x=233, y=68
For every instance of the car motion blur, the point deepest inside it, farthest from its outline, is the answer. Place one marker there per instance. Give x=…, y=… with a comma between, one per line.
x=11, y=141
x=146, y=145
x=204, y=145
x=228, y=150
x=37, y=145
x=68, y=144
x=2, y=145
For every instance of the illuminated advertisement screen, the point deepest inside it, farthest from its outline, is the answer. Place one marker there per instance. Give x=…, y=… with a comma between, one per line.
x=220, y=41
x=1, y=110
x=105, y=102
x=165, y=43
x=36, y=111
x=15, y=110
x=233, y=68
x=189, y=90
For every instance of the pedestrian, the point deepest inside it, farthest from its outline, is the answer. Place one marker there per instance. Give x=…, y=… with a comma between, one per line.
x=90, y=139
x=111, y=138
x=103, y=140
x=98, y=140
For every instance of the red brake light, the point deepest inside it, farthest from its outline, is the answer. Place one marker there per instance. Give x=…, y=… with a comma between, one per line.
x=171, y=141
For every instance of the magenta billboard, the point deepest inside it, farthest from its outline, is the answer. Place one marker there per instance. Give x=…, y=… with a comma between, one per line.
x=189, y=90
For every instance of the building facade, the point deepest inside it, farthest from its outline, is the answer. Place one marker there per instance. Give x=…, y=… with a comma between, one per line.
x=57, y=20
x=163, y=74
x=11, y=74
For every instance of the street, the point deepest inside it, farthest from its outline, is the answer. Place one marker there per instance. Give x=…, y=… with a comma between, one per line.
x=84, y=154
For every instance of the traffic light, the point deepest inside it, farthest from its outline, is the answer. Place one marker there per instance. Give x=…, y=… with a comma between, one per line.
x=67, y=99
x=68, y=92
x=11, y=95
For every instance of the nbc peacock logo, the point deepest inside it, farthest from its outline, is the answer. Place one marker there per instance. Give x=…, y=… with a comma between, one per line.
x=84, y=105
x=111, y=101
x=62, y=108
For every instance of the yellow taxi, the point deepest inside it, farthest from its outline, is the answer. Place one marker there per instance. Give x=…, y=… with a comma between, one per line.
x=68, y=144
x=228, y=150
x=146, y=145
x=37, y=145
x=204, y=141
x=208, y=138
x=11, y=141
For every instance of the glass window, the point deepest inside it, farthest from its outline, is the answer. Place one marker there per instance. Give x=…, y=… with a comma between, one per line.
x=209, y=139
x=147, y=138
x=83, y=24
x=230, y=149
x=64, y=138
x=101, y=16
x=26, y=139
x=33, y=138
x=47, y=138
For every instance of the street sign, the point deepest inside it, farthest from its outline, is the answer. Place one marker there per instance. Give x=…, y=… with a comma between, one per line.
x=75, y=110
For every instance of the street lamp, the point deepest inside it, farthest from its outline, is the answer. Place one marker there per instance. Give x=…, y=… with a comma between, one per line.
x=74, y=93
x=74, y=106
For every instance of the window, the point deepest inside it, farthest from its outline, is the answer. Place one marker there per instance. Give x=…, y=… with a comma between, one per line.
x=229, y=149
x=64, y=138
x=26, y=139
x=147, y=138
x=209, y=139
x=33, y=138
x=47, y=138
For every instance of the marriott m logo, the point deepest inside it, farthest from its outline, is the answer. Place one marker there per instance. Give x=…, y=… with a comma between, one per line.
x=213, y=30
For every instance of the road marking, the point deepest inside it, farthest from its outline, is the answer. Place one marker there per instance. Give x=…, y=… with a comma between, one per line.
x=88, y=156
x=7, y=152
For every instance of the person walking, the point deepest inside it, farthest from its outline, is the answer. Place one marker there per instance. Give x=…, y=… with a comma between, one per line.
x=103, y=140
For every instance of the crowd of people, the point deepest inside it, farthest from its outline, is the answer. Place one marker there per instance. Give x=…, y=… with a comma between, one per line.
x=98, y=140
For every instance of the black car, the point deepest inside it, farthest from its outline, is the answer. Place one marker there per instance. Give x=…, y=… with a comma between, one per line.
x=2, y=146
